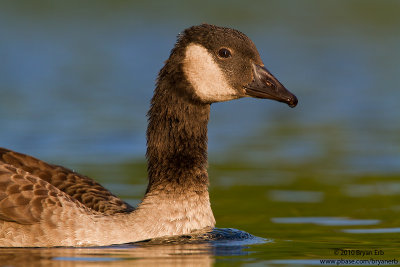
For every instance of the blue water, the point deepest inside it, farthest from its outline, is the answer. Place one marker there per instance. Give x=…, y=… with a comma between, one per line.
x=75, y=76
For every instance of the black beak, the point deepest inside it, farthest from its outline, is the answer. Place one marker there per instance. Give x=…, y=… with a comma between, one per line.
x=265, y=85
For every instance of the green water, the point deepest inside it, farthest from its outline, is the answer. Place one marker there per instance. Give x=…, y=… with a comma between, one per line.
x=320, y=181
x=302, y=217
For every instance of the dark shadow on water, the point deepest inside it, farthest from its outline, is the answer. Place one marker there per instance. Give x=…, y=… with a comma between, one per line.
x=221, y=241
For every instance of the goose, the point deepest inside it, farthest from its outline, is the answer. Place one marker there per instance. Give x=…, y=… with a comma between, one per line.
x=46, y=205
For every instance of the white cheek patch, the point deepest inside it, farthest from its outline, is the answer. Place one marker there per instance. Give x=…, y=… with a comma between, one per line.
x=205, y=76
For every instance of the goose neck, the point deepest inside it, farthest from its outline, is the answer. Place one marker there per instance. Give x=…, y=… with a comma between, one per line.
x=177, y=143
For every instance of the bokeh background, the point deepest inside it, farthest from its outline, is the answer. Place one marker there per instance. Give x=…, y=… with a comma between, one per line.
x=76, y=78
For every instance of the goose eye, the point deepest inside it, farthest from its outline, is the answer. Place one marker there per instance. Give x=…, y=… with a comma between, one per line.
x=225, y=53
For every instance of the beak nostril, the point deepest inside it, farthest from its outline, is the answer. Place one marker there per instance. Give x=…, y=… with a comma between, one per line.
x=270, y=84
x=265, y=85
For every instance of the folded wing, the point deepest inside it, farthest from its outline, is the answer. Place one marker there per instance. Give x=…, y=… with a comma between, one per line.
x=77, y=186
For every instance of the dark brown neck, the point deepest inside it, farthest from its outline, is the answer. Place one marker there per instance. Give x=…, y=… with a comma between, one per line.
x=177, y=142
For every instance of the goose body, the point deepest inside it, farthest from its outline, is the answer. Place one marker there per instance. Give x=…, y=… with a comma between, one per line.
x=45, y=205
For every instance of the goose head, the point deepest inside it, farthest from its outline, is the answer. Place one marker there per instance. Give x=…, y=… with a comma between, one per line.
x=222, y=64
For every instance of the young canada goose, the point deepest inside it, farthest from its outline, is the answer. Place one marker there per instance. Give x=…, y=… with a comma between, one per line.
x=44, y=205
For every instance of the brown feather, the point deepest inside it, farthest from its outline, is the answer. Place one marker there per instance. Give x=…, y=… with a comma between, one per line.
x=23, y=197
x=79, y=187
